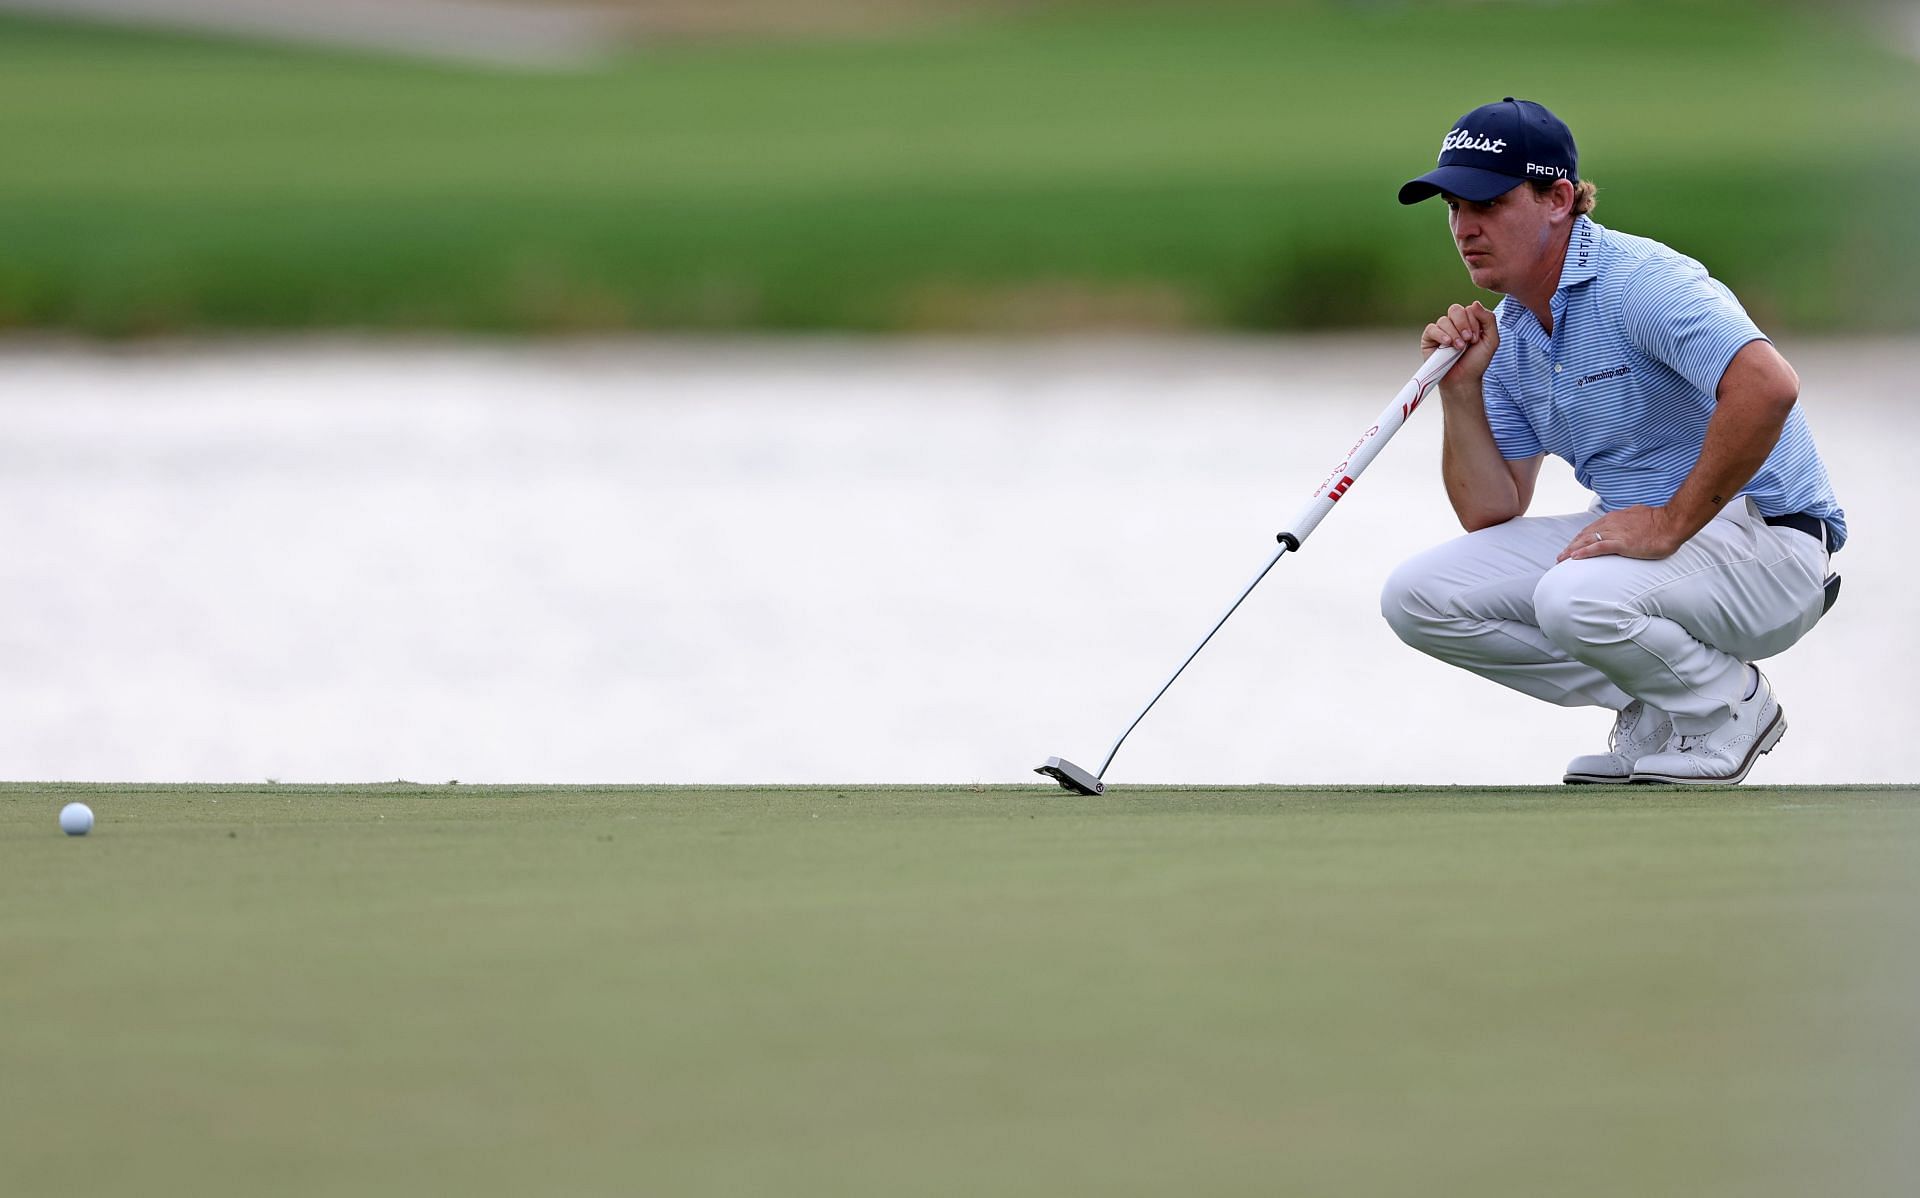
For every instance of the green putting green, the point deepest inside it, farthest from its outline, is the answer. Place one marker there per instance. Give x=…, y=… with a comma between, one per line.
x=508, y=990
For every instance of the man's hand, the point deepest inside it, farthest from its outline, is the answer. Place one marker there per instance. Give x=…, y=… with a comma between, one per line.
x=1637, y=531
x=1472, y=329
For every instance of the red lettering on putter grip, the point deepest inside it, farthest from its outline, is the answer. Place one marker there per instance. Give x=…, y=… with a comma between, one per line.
x=1339, y=489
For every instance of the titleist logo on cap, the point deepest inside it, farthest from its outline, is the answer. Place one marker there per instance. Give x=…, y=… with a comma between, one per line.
x=1494, y=147
x=1462, y=139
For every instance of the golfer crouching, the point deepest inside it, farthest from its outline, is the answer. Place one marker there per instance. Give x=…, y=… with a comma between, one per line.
x=1706, y=548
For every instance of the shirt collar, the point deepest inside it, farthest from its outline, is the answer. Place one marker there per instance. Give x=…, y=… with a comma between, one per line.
x=1582, y=265
x=1583, y=253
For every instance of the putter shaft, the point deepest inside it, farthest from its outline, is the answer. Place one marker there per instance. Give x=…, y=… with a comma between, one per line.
x=1217, y=624
x=1071, y=776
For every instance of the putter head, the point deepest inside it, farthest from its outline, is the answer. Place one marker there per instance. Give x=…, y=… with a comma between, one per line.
x=1071, y=777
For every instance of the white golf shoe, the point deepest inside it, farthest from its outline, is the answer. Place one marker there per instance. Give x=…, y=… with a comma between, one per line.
x=1638, y=731
x=1723, y=756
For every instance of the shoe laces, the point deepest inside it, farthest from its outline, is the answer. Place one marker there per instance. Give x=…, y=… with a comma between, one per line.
x=1618, y=736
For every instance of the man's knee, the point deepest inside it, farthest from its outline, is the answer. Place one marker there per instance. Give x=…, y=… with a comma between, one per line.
x=1406, y=604
x=1573, y=611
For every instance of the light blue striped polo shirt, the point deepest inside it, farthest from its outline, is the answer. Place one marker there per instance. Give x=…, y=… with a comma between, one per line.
x=1624, y=387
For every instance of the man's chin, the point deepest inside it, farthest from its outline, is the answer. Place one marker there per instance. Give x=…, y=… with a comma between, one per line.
x=1485, y=279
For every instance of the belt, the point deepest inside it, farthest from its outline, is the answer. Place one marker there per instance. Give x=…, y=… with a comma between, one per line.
x=1813, y=526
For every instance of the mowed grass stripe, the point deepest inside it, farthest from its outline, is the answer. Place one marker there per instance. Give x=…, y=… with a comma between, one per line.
x=952, y=990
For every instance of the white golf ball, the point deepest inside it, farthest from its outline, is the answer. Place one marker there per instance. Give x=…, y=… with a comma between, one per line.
x=76, y=819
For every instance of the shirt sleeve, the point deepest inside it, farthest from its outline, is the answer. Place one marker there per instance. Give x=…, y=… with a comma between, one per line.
x=1512, y=434
x=1674, y=312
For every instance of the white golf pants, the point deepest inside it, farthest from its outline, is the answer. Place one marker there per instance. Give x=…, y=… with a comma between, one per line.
x=1606, y=630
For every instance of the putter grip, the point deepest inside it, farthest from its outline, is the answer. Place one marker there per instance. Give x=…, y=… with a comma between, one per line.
x=1366, y=448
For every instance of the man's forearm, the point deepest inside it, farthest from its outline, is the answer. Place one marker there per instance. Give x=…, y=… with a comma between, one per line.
x=1756, y=395
x=1738, y=442
x=1480, y=484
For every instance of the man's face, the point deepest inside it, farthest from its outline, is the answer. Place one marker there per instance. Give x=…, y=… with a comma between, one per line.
x=1504, y=240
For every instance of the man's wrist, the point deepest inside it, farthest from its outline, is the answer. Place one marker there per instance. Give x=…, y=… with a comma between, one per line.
x=1671, y=530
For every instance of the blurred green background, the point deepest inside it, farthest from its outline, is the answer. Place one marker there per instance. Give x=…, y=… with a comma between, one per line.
x=994, y=167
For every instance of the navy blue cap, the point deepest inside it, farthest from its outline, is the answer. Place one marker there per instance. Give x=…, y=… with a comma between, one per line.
x=1496, y=147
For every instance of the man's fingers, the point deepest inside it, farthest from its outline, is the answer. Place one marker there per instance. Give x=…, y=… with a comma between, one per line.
x=1596, y=542
x=1482, y=320
x=1460, y=326
x=1586, y=543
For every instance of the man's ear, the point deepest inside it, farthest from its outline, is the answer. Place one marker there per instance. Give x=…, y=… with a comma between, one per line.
x=1562, y=197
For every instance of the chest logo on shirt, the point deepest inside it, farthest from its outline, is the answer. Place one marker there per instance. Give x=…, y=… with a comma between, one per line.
x=1601, y=376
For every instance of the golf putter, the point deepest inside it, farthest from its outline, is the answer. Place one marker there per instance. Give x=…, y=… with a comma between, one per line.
x=1339, y=479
